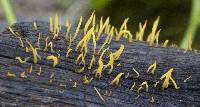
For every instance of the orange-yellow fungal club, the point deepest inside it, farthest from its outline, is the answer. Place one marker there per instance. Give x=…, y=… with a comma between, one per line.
x=111, y=34
x=124, y=24
x=88, y=23
x=86, y=80
x=110, y=63
x=190, y=42
x=101, y=56
x=81, y=70
x=157, y=37
x=168, y=76
x=117, y=54
x=20, y=39
x=56, y=24
x=54, y=58
x=132, y=86
x=23, y=74
x=92, y=62
x=22, y=61
x=97, y=28
x=68, y=52
x=115, y=81
x=102, y=26
x=77, y=29
x=165, y=43
x=152, y=36
x=94, y=20
x=85, y=39
x=140, y=34
x=11, y=30
x=145, y=84
x=140, y=88
x=34, y=50
x=103, y=45
x=51, y=24
x=30, y=69
x=10, y=74
x=99, y=70
x=152, y=68
x=68, y=30
x=50, y=44
x=125, y=33
x=82, y=58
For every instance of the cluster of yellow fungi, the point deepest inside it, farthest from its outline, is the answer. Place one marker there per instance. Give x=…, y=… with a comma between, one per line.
x=93, y=31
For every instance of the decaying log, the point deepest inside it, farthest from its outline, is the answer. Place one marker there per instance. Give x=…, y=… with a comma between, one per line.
x=66, y=88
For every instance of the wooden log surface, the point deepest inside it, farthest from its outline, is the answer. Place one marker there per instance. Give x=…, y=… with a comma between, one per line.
x=66, y=88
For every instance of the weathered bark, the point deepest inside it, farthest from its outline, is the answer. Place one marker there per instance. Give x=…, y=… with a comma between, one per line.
x=36, y=90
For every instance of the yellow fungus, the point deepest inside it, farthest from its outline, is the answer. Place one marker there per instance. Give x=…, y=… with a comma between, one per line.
x=104, y=43
x=94, y=20
x=54, y=58
x=51, y=24
x=91, y=62
x=111, y=34
x=97, y=28
x=82, y=59
x=153, y=35
x=68, y=30
x=22, y=61
x=190, y=42
x=20, y=39
x=77, y=29
x=187, y=78
x=101, y=97
x=35, y=25
x=115, y=81
x=88, y=23
x=85, y=39
x=11, y=30
x=55, y=24
x=141, y=31
x=30, y=69
x=124, y=24
x=145, y=84
x=99, y=70
x=23, y=74
x=10, y=74
x=34, y=50
x=125, y=33
x=118, y=64
x=168, y=76
x=81, y=70
x=101, y=56
x=86, y=80
x=117, y=54
x=165, y=43
x=110, y=63
x=132, y=86
x=68, y=52
x=50, y=44
x=140, y=88
x=27, y=49
x=102, y=26
x=152, y=68
x=40, y=71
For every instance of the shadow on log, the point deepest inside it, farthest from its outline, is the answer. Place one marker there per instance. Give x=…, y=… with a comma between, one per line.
x=63, y=85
